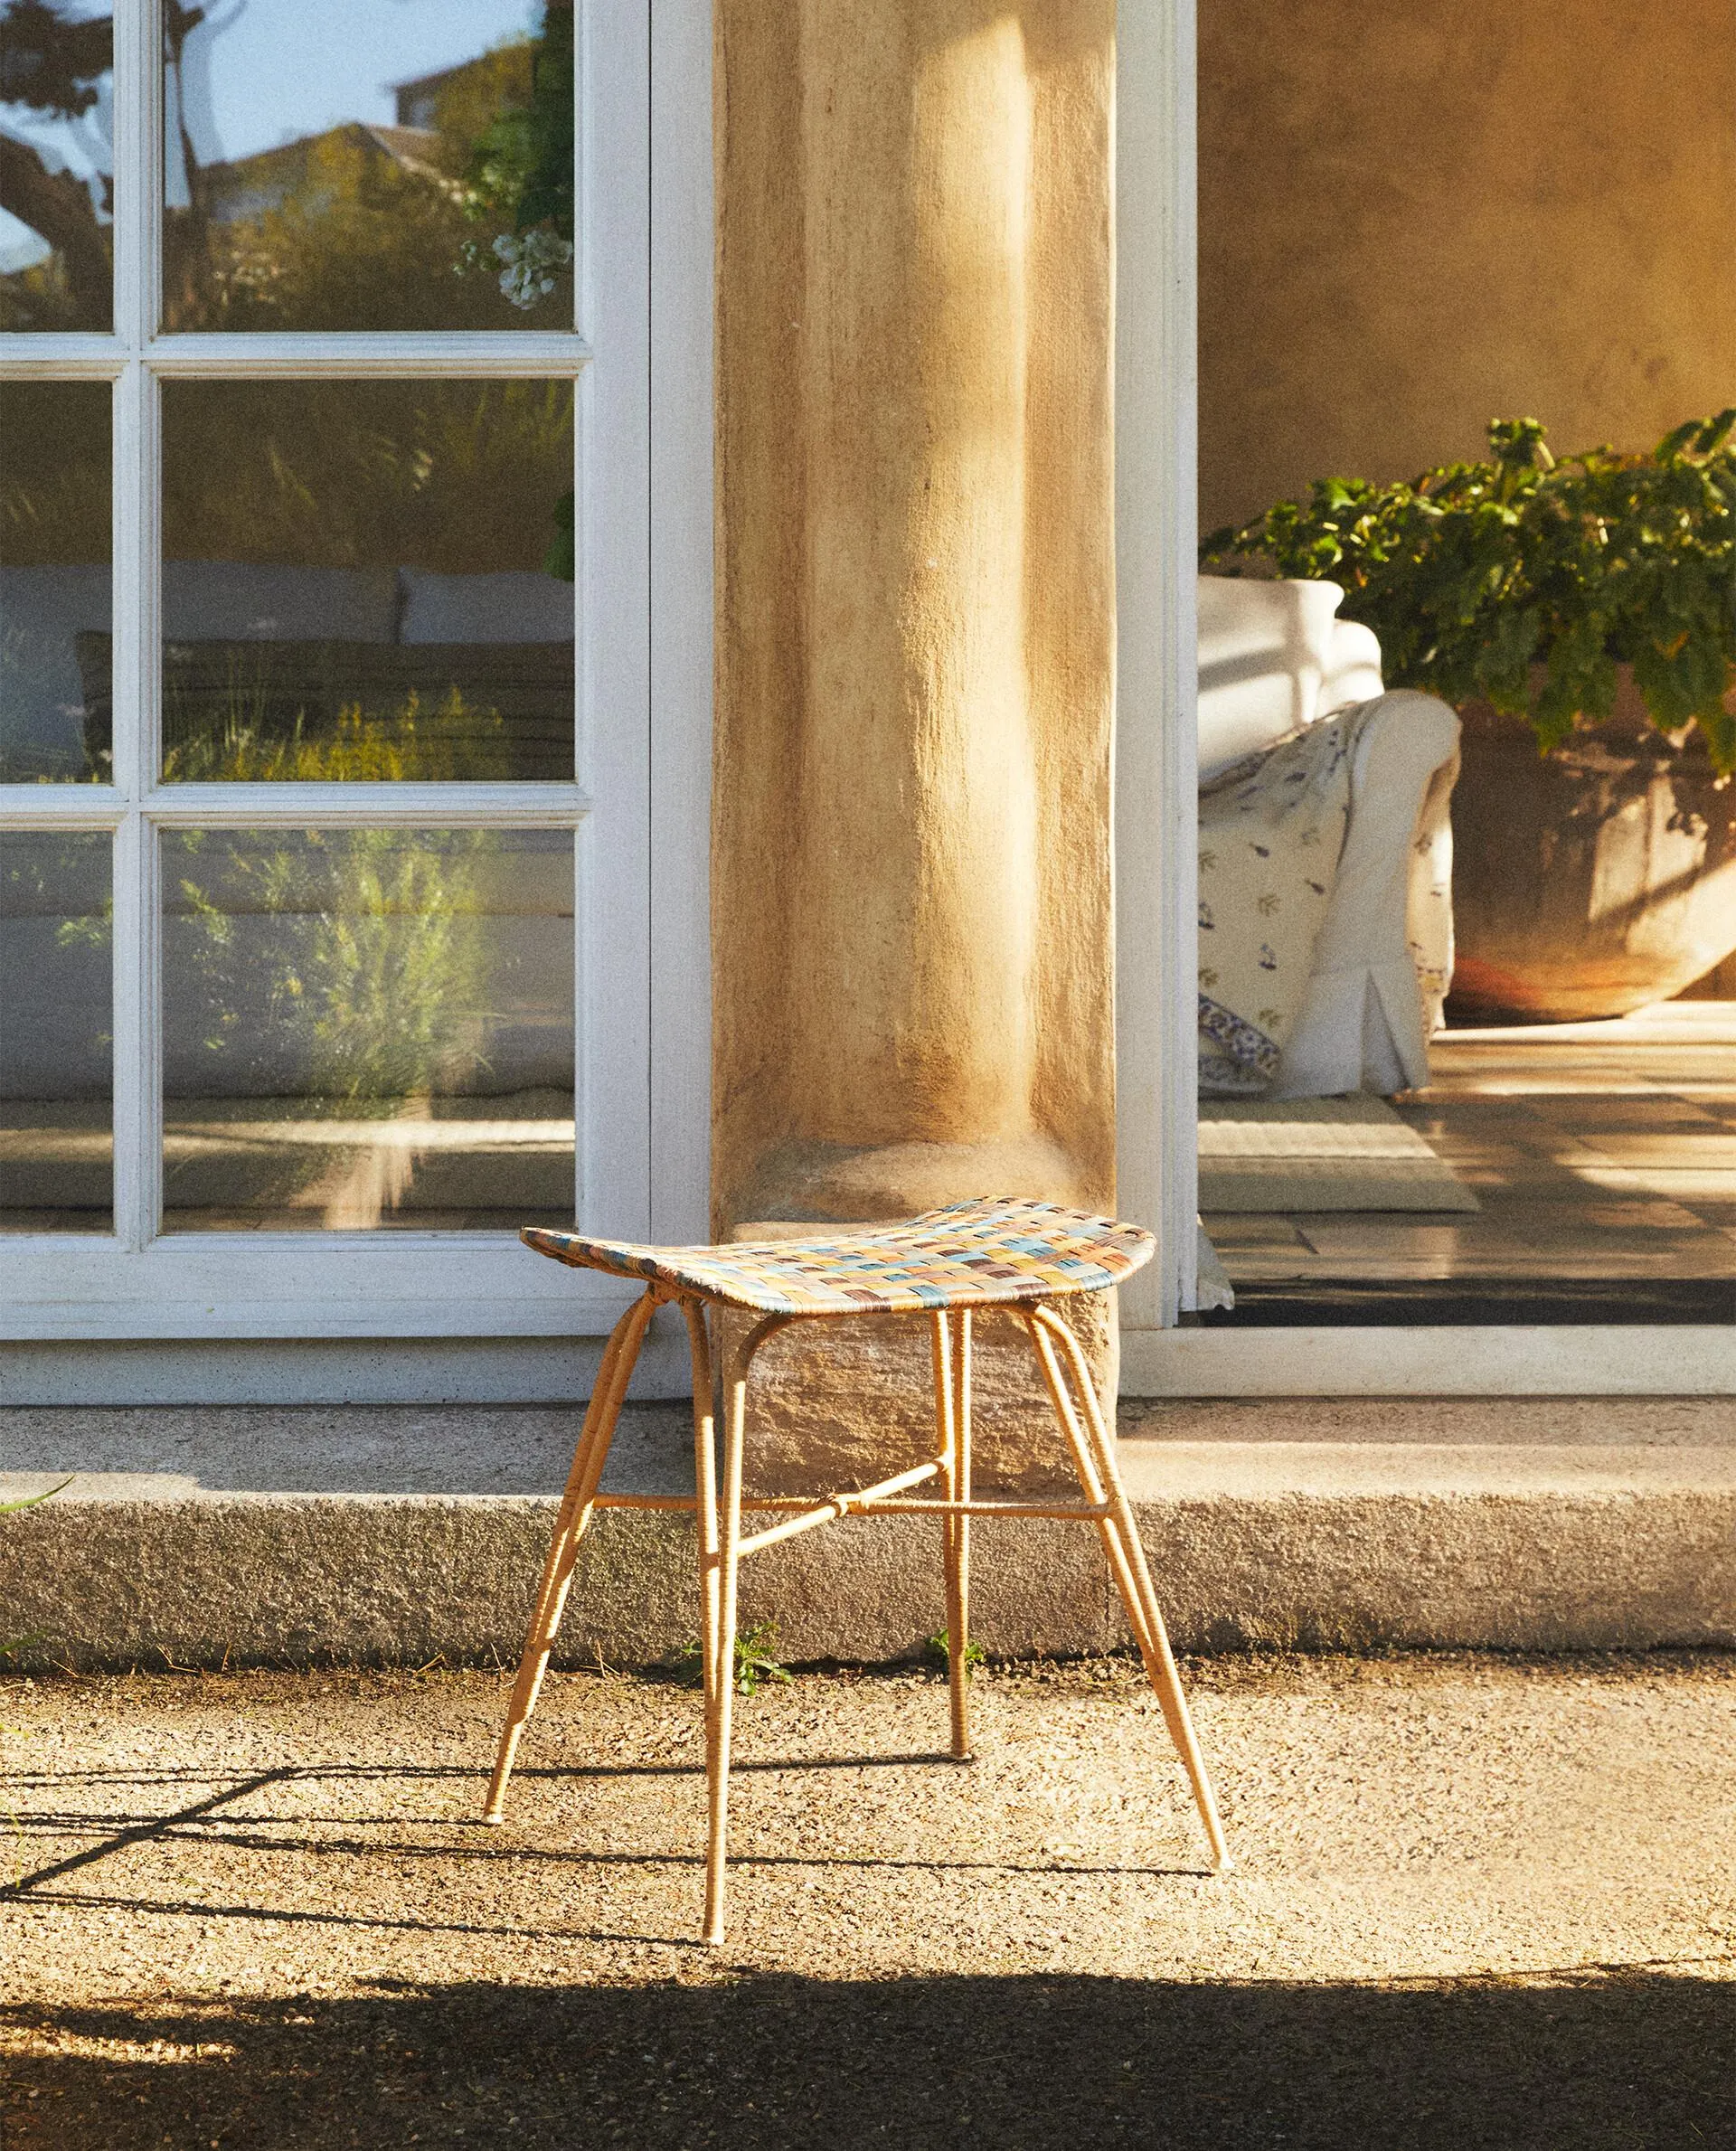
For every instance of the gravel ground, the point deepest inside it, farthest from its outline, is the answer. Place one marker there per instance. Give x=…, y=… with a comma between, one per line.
x=1480, y=1902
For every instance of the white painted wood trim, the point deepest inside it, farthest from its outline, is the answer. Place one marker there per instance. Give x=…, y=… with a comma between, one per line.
x=138, y=153
x=682, y=499
x=1540, y=1360
x=82, y=357
x=1157, y=743
x=613, y=447
x=365, y=805
x=60, y=806
x=278, y=1285
x=135, y=732
x=484, y=354
x=467, y=354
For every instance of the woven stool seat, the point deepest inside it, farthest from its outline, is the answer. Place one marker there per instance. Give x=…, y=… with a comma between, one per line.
x=1010, y=1253
x=969, y=1255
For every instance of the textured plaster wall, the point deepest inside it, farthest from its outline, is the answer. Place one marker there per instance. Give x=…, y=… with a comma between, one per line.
x=913, y=942
x=1420, y=215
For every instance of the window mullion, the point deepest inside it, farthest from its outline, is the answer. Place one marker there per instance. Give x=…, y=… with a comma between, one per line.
x=135, y=672
x=335, y=804
x=137, y=1110
x=138, y=167
x=137, y=704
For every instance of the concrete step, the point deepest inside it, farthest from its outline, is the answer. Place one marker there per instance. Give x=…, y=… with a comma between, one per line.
x=398, y=1534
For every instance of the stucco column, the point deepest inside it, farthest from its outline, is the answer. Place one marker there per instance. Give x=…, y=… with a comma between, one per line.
x=911, y=873
x=912, y=868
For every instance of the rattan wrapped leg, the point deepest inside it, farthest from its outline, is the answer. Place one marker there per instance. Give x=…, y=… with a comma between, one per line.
x=570, y=1524
x=1101, y=1481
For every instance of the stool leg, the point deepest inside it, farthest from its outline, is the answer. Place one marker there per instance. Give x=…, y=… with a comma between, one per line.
x=1100, y=1480
x=952, y=1412
x=587, y=1460
x=721, y=1684
x=714, y=1658
x=705, y=1515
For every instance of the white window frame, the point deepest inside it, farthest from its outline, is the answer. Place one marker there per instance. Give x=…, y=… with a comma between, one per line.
x=1156, y=856
x=643, y=482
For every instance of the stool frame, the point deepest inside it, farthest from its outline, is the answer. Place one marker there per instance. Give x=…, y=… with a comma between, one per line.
x=717, y=1505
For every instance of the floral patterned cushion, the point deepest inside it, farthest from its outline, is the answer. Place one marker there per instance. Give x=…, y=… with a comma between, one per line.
x=1272, y=832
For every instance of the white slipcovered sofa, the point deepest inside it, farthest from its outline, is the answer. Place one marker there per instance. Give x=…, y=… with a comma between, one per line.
x=1275, y=661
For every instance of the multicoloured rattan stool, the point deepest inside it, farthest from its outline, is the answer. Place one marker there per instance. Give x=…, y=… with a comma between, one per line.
x=1016, y=1255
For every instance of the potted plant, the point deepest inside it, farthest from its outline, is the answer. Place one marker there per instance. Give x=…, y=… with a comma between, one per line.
x=1581, y=615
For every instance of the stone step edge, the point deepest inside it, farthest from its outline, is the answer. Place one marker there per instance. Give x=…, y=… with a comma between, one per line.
x=1587, y=1563
x=1155, y=1473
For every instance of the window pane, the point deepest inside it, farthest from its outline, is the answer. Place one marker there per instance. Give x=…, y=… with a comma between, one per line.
x=367, y=580
x=364, y=164
x=54, y=581
x=368, y=1028
x=56, y=165
x=56, y=1049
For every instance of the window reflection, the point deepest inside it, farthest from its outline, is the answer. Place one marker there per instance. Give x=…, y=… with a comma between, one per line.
x=56, y=165
x=364, y=164
x=55, y=575
x=56, y=1049
x=368, y=1028
x=365, y=580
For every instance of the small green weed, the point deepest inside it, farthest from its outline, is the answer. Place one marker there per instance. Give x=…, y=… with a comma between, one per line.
x=30, y=1501
x=755, y=1659
x=940, y=1646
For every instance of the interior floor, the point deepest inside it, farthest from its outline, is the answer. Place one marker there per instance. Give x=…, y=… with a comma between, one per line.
x=1603, y=1157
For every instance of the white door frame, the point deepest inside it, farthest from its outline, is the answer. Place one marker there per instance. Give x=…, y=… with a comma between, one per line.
x=644, y=469
x=1155, y=836
x=683, y=273
x=1155, y=853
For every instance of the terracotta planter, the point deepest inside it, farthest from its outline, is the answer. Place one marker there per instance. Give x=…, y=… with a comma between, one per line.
x=1591, y=880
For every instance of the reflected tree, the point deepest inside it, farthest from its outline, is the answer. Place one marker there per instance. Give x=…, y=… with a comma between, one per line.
x=363, y=226
x=52, y=66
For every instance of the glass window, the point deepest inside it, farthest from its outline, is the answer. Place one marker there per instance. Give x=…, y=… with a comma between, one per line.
x=56, y=1048
x=338, y=571
x=367, y=580
x=364, y=164
x=54, y=579
x=56, y=165
x=368, y=1028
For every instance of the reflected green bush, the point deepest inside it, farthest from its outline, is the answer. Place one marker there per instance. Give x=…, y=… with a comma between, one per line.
x=382, y=981
x=236, y=744
x=386, y=991
x=455, y=476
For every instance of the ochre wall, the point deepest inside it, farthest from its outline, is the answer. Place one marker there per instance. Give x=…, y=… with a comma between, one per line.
x=1416, y=215
x=912, y=936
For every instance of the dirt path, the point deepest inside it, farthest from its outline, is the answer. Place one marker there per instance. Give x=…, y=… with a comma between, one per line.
x=1480, y=1902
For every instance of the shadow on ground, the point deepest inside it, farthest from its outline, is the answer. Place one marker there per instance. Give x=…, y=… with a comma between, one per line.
x=1603, y=2061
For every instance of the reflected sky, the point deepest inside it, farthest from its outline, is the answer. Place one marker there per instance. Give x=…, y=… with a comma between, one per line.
x=247, y=93
x=260, y=72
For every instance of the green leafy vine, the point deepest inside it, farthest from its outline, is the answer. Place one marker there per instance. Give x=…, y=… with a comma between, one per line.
x=1526, y=581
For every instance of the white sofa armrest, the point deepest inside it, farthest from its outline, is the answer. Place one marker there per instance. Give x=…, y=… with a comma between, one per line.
x=1264, y=650
x=1352, y=673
